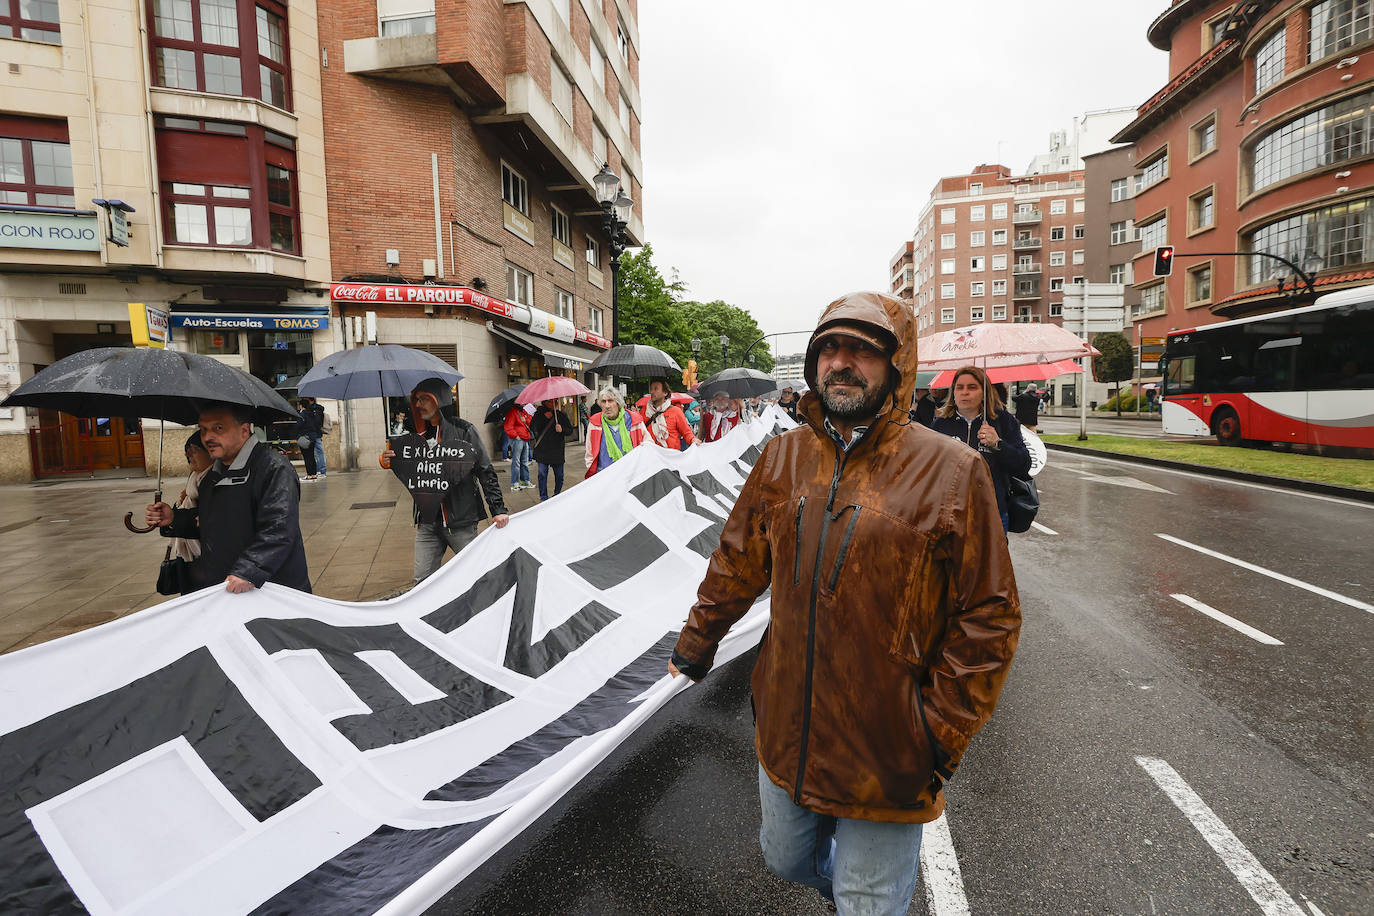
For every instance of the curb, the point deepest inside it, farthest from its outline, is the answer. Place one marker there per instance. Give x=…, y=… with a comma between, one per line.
x=1289, y=483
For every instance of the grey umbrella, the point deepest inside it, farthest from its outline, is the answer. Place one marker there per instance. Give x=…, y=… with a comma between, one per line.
x=635, y=361
x=146, y=382
x=738, y=383
x=381, y=370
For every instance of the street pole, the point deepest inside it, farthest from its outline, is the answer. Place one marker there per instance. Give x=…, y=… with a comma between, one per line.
x=1083, y=395
x=615, y=297
x=1138, y=358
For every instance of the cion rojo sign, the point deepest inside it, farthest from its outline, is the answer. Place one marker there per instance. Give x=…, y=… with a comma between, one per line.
x=60, y=231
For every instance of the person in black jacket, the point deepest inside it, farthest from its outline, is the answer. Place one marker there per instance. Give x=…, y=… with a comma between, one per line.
x=308, y=432
x=549, y=431
x=1028, y=408
x=461, y=508
x=247, y=519
x=924, y=411
x=975, y=415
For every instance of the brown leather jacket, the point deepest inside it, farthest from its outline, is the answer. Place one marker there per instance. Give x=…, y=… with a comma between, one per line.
x=894, y=606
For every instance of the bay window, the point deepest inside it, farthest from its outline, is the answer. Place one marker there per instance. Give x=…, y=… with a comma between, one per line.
x=35, y=163
x=31, y=20
x=229, y=47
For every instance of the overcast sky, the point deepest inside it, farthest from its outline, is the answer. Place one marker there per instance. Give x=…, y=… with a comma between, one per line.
x=789, y=145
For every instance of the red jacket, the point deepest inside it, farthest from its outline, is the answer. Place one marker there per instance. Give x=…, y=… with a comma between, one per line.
x=679, y=431
x=637, y=436
x=517, y=424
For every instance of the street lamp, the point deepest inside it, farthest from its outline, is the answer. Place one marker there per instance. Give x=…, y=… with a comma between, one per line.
x=616, y=207
x=724, y=352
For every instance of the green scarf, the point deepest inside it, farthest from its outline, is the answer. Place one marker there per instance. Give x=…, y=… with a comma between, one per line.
x=613, y=448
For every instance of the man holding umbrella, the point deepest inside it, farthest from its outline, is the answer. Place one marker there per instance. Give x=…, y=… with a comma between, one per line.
x=247, y=519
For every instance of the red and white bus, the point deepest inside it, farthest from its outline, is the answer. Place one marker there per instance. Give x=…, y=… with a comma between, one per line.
x=1304, y=375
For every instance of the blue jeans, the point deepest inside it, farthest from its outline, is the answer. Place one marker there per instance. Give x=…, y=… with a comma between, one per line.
x=868, y=868
x=505, y=445
x=519, y=461
x=544, y=480
x=319, y=456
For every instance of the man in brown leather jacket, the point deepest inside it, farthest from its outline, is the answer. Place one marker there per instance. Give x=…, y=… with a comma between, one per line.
x=894, y=613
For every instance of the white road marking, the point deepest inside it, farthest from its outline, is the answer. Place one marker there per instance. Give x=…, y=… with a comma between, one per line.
x=1314, y=589
x=940, y=873
x=1273, y=900
x=1233, y=623
x=1130, y=482
x=1039, y=527
x=1311, y=906
x=1226, y=480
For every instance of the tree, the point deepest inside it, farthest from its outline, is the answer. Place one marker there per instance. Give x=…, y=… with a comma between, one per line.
x=1116, y=363
x=649, y=312
x=709, y=320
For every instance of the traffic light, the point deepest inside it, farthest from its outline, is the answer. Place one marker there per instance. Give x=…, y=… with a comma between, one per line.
x=1164, y=260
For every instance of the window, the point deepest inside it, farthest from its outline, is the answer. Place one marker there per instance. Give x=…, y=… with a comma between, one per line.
x=622, y=39
x=563, y=306
x=1201, y=210
x=228, y=185
x=599, y=144
x=1269, y=60
x=408, y=25
x=1078, y=256
x=35, y=163
x=1056, y=233
x=999, y=236
x=1338, y=24
x=976, y=289
x=999, y=287
x=1078, y=280
x=1154, y=171
x=230, y=47
x=947, y=216
x=1154, y=233
x=1216, y=29
x=32, y=20
x=1340, y=131
x=947, y=266
x=519, y=285
x=975, y=265
x=977, y=214
x=1151, y=300
x=1056, y=284
x=1058, y=206
x=975, y=313
x=1338, y=236
x=977, y=239
x=946, y=290
x=1121, y=232
x=1202, y=138
x=594, y=320
x=1056, y=259
x=624, y=114
x=598, y=64
x=975, y=188
x=1079, y=205
x=562, y=230
x=1078, y=232
x=999, y=313
x=1121, y=189
x=514, y=190
x=593, y=252
x=999, y=211
x=562, y=90
x=946, y=316
x=947, y=240
x=1116, y=273
x=1056, y=310
x=1200, y=285
x=999, y=262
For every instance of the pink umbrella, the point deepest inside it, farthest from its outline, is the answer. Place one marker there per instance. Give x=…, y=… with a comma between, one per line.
x=1031, y=372
x=993, y=346
x=551, y=388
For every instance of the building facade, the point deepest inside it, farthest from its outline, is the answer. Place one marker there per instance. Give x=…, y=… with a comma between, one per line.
x=461, y=142
x=1260, y=142
x=201, y=125
x=902, y=270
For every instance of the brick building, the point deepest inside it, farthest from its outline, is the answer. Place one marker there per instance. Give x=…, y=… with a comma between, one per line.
x=461, y=141
x=1260, y=141
x=902, y=269
x=201, y=123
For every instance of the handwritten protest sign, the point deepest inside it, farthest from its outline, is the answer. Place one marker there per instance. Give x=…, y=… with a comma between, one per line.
x=430, y=470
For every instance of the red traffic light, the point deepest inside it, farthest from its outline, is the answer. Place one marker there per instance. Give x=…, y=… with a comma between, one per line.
x=1164, y=260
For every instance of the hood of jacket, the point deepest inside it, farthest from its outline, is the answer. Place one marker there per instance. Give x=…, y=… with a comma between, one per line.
x=884, y=317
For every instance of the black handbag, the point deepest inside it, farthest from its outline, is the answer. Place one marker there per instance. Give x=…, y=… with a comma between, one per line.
x=174, y=576
x=1023, y=502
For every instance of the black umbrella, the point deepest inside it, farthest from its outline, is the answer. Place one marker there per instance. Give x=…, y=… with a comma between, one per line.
x=503, y=402
x=149, y=383
x=636, y=361
x=738, y=383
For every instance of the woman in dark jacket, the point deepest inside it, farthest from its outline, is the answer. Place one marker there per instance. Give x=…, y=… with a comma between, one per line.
x=976, y=416
x=549, y=431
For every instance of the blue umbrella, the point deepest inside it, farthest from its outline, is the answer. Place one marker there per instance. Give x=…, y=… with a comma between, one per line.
x=385, y=370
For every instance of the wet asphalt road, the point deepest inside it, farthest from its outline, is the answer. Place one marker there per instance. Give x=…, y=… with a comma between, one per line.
x=1052, y=813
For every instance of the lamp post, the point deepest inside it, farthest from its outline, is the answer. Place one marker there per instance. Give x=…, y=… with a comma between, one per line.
x=615, y=216
x=724, y=352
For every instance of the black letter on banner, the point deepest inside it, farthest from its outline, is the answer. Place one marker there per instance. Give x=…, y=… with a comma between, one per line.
x=627, y=557
x=191, y=697
x=521, y=572
x=652, y=489
x=393, y=718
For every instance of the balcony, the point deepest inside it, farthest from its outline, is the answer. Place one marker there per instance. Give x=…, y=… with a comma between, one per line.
x=1026, y=319
x=1026, y=267
x=1026, y=289
x=1026, y=216
x=1026, y=244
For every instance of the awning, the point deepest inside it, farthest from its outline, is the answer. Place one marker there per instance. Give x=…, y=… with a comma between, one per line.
x=556, y=353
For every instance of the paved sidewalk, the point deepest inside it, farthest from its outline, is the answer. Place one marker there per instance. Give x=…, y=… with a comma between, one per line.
x=67, y=562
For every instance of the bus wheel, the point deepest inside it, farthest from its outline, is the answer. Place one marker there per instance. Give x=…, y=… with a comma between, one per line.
x=1227, y=426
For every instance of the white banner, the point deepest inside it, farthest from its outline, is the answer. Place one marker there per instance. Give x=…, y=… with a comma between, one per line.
x=280, y=752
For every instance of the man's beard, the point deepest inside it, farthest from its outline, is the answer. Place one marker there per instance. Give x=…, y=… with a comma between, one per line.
x=859, y=406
